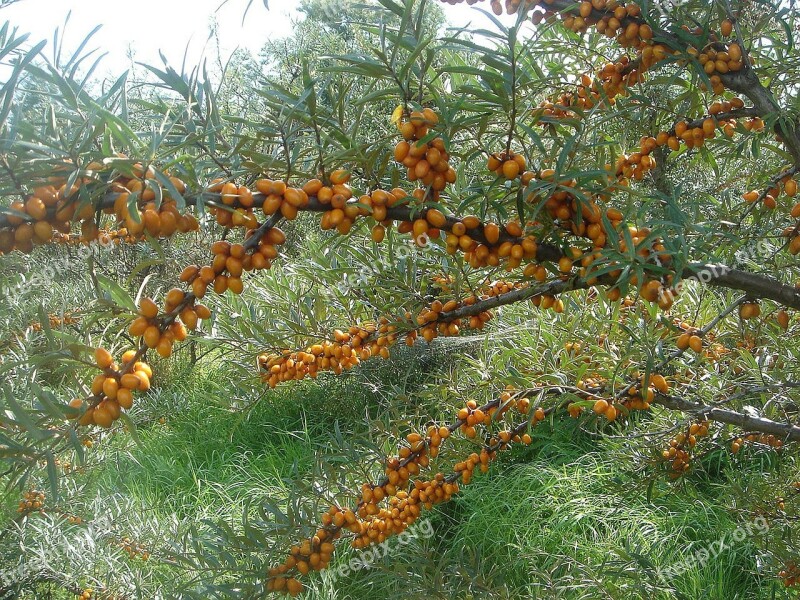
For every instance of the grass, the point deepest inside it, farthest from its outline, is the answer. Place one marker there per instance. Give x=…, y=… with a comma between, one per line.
x=561, y=519
x=568, y=517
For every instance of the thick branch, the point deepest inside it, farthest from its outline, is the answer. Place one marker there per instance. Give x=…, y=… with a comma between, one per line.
x=785, y=431
x=746, y=82
x=551, y=288
x=757, y=286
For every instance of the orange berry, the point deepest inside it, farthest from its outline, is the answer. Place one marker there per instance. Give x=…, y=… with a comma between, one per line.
x=511, y=169
x=696, y=343
x=152, y=335
x=103, y=358
x=148, y=309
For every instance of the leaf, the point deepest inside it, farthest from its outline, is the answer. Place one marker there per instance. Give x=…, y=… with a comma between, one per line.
x=116, y=293
x=23, y=417
x=125, y=418
x=52, y=475
x=397, y=114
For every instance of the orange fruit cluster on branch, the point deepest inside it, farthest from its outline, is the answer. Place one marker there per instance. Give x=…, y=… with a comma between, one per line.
x=513, y=248
x=346, y=350
x=391, y=506
x=133, y=549
x=55, y=321
x=757, y=438
x=426, y=160
x=32, y=500
x=361, y=342
x=162, y=221
x=433, y=325
x=693, y=134
x=613, y=80
x=49, y=210
x=680, y=447
x=113, y=388
x=46, y=213
x=509, y=165
x=159, y=335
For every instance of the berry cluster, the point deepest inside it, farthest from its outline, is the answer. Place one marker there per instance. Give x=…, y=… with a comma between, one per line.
x=426, y=160
x=113, y=388
x=56, y=321
x=680, y=447
x=32, y=501
x=133, y=549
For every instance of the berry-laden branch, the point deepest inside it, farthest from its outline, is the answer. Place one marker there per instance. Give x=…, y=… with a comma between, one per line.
x=393, y=504
x=726, y=65
x=490, y=242
x=361, y=342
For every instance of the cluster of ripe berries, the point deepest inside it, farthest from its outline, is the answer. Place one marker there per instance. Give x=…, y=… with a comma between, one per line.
x=154, y=330
x=361, y=342
x=112, y=390
x=373, y=523
x=756, y=438
x=67, y=466
x=691, y=337
x=341, y=213
x=239, y=202
x=678, y=454
x=637, y=397
x=32, y=500
x=345, y=351
x=378, y=203
x=56, y=321
x=426, y=161
x=622, y=21
x=276, y=197
x=50, y=209
x=472, y=416
x=510, y=165
x=433, y=324
x=788, y=186
x=490, y=244
x=140, y=214
x=231, y=261
x=313, y=554
x=133, y=549
x=694, y=134
x=585, y=219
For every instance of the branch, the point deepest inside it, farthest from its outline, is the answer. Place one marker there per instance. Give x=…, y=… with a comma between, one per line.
x=756, y=286
x=786, y=431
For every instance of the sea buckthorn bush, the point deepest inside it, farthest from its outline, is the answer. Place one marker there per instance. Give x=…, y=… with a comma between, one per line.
x=434, y=259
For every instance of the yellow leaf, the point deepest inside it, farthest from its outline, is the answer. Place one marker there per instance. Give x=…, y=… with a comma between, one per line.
x=398, y=112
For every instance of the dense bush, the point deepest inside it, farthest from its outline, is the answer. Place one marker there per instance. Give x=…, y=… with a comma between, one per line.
x=572, y=240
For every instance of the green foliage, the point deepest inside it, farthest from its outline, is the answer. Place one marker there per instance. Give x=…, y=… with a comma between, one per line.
x=217, y=476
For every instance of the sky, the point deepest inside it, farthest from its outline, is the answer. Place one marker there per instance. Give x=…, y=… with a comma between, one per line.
x=147, y=26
